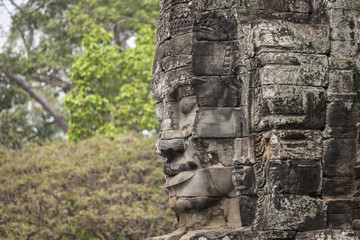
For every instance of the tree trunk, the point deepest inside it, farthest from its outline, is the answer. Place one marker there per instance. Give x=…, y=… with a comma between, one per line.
x=21, y=82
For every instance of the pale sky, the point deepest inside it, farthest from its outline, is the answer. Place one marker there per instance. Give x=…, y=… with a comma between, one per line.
x=5, y=20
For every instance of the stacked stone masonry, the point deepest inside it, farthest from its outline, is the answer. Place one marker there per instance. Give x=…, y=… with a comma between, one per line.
x=258, y=104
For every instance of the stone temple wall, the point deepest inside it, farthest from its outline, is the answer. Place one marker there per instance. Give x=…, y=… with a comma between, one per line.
x=258, y=103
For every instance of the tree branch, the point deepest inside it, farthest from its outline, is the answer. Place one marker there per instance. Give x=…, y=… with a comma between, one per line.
x=48, y=79
x=15, y=5
x=21, y=82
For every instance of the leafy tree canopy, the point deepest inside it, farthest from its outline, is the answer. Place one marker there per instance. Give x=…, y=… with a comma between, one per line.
x=46, y=39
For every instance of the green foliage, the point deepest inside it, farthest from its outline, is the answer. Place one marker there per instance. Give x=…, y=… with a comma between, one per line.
x=16, y=130
x=93, y=75
x=135, y=107
x=19, y=124
x=111, y=86
x=45, y=38
x=124, y=18
x=39, y=41
x=95, y=189
x=38, y=45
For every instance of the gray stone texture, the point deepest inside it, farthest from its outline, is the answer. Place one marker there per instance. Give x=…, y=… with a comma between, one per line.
x=258, y=104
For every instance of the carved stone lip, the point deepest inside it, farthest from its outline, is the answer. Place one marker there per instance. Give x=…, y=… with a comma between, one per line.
x=174, y=169
x=179, y=178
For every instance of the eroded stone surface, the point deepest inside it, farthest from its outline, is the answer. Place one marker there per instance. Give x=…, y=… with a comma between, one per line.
x=258, y=104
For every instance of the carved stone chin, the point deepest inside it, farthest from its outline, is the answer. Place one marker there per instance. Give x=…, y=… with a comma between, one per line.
x=183, y=204
x=258, y=104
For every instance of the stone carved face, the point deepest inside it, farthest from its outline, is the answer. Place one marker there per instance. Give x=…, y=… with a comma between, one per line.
x=198, y=95
x=197, y=154
x=269, y=84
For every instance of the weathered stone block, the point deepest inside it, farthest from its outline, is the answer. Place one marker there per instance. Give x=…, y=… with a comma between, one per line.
x=293, y=69
x=170, y=134
x=172, y=63
x=251, y=4
x=357, y=170
x=297, y=177
x=297, y=213
x=355, y=214
x=157, y=86
x=247, y=206
x=339, y=206
x=342, y=81
x=281, y=106
x=165, y=4
x=243, y=151
x=355, y=203
x=206, y=182
x=216, y=26
x=159, y=55
x=341, y=24
x=176, y=84
x=217, y=91
x=341, y=119
x=276, y=235
x=163, y=28
x=294, y=75
x=294, y=37
x=243, y=178
x=292, y=177
x=225, y=150
x=302, y=6
x=340, y=4
x=356, y=188
x=344, y=48
x=221, y=123
x=188, y=110
x=288, y=144
x=355, y=208
x=204, y=6
x=181, y=19
x=341, y=64
x=335, y=97
x=233, y=213
x=355, y=4
x=211, y=234
x=339, y=157
x=245, y=16
x=180, y=45
x=170, y=118
x=339, y=221
x=210, y=151
x=339, y=214
x=213, y=58
x=159, y=111
x=356, y=224
x=170, y=148
x=329, y=234
x=337, y=186
x=208, y=218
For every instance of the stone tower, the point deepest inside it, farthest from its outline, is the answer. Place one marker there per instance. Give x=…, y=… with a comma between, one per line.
x=258, y=106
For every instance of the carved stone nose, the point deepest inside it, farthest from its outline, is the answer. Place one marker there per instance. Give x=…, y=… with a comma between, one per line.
x=170, y=148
